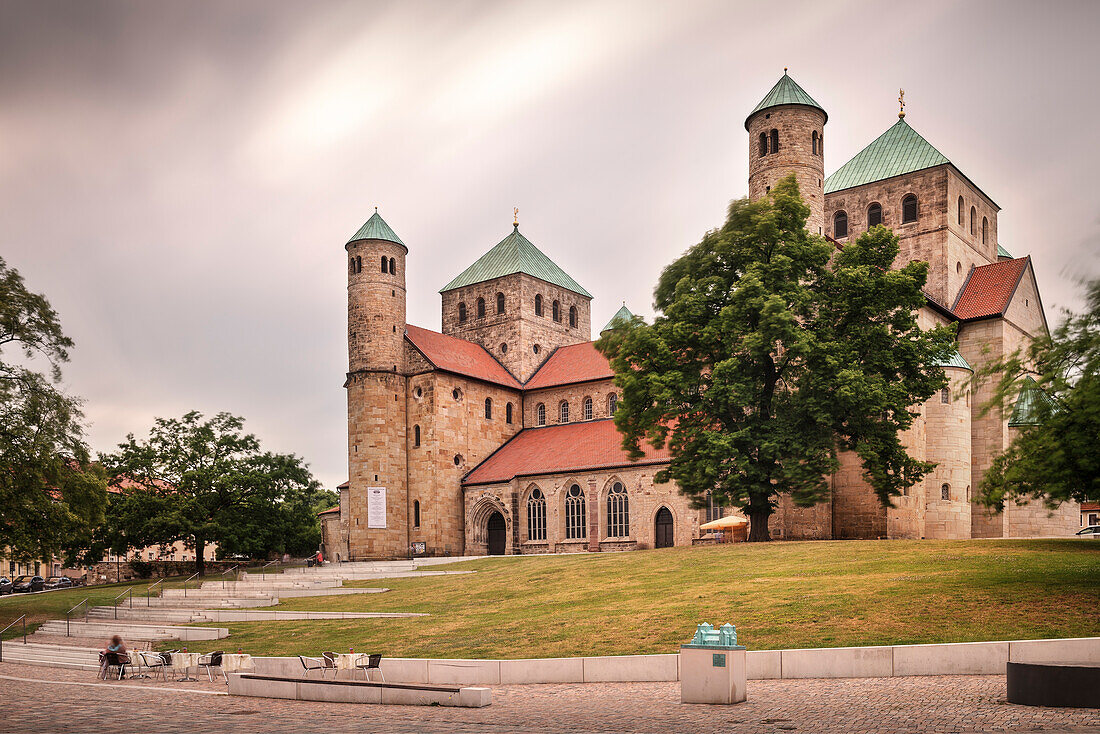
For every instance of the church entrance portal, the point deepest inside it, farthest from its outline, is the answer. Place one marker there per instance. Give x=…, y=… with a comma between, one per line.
x=497, y=532
x=664, y=528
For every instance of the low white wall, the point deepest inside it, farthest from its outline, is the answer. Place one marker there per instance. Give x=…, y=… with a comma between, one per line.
x=965, y=658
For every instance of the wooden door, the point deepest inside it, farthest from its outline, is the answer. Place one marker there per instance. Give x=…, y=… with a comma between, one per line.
x=497, y=531
x=664, y=528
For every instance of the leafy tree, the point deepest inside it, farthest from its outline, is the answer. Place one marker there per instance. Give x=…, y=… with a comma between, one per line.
x=771, y=352
x=51, y=500
x=1055, y=459
x=205, y=480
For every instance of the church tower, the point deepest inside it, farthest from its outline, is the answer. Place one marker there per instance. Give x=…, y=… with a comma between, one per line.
x=377, y=465
x=786, y=136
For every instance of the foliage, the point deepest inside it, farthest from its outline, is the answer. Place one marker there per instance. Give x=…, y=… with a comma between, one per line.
x=771, y=352
x=205, y=480
x=143, y=569
x=52, y=500
x=1055, y=459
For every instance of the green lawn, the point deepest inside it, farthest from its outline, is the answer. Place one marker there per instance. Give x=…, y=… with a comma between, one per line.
x=780, y=595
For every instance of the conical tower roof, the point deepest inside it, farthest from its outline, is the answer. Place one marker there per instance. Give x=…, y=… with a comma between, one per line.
x=622, y=315
x=785, y=91
x=898, y=151
x=515, y=254
x=376, y=228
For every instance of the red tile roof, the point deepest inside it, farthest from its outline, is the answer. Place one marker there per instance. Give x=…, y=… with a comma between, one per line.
x=1090, y=506
x=989, y=288
x=574, y=363
x=459, y=356
x=555, y=449
x=329, y=511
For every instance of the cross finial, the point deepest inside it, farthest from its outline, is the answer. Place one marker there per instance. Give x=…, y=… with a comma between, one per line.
x=901, y=103
x=515, y=216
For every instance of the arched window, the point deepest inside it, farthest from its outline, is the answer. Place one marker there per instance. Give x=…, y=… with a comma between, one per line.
x=416, y=513
x=385, y=264
x=618, y=512
x=763, y=144
x=508, y=413
x=393, y=266
x=874, y=215
x=416, y=436
x=540, y=414
x=572, y=317
x=488, y=408
x=961, y=221
x=588, y=409
x=973, y=220
x=536, y=515
x=500, y=303
x=775, y=141
x=945, y=395
x=813, y=139
x=563, y=412
x=538, y=305
x=461, y=312
x=985, y=230
x=945, y=492
x=612, y=403
x=575, y=526
x=556, y=311
x=840, y=225
x=909, y=209
x=481, y=308
x=714, y=509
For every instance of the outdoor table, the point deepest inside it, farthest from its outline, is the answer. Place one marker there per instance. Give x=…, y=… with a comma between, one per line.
x=347, y=661
x=183, y=662
x=237, y=662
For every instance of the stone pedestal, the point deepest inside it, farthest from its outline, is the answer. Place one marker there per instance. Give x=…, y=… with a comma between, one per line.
x=712, y=674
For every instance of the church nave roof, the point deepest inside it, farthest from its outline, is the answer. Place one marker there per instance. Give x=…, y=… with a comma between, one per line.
x=459, y=356
x=989, y=289
x=569, y=364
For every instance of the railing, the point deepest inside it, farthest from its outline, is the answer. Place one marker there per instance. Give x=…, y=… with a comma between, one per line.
x=114, y=602
x=149, y=591
x=227, y=571
x=194, y=575
x=22, y=618
x=264, y=567
x=68, y=614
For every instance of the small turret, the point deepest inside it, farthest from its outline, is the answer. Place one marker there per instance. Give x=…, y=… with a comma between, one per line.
x=376, y=298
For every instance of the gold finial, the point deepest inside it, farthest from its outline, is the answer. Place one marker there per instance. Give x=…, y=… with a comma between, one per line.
x=901, y=102
x=376, y=210
x=784, y=70
x=515, y=216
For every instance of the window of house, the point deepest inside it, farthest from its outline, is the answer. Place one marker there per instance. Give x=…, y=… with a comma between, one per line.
x=588, y=409
x=461, y=312
x=612, y=403
x=538, y=305
x=618, y=512
x=985, y=230
x=840, y=225
x=874, y=215
x=416, y=436
x=488, y=408
x=563, y=412
x=500, y=303
x=945, y=492
x=557, y=311
x=973, y=220
x=416, y=513
x=508, y=413
x=775, y=141
x=536, y=515
x=945, y=395
x=572, y=317
x=481, y=308
x=813, y=141
x=909, y=209
x=714, y=509
x=540, y=414
x=763, y=144
x=575, y=526
x=961, y=222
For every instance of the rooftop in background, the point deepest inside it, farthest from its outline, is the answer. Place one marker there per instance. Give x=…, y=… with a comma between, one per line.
x=1002, y=252
x=565, y=448
x=989, y=288
x=515, y=254
x=1028, y=404
x=459, y=356
x=956, y=360
x=623, y=314
x=573, y=363
x=898, y=151
x=785, y=91
x=376, y=228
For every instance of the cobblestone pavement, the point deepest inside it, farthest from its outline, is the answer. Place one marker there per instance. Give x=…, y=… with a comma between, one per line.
x=59, y=701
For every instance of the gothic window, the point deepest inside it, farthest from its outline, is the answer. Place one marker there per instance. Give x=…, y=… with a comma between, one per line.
x=461, y=313
x=500, y=303
x=540, y=415
x=612, y=403
x=563, y=412
x=813, y=139
x=945, y=492
x=588, y=409
x=714, y=509
x=481, y=308
x=488, y=408
x=416, y=436
x=961, y=221
x=909, y=209
x=840, y=225
x=985, y=230
x=416, y=513
x=775, y=141
x=874, y=215
x=557, y=311
x=618, y=512
x=508, y=413
x=973, y=220
x=536, y=515
x=575, y=527
x=945, y=396
x=393, y=266
x=763, y=144
x=572, y=317
x=538, y=305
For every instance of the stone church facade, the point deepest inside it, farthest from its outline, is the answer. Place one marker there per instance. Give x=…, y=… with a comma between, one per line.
x=495, y=434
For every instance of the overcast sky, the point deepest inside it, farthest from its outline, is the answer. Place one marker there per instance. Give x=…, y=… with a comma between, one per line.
x=180, y=178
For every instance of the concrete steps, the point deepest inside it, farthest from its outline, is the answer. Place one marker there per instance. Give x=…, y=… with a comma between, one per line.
x=54, y=656
x=129, y=630
x=189, y=602
x=155, y=614
x=216, y=594
x=269, y=584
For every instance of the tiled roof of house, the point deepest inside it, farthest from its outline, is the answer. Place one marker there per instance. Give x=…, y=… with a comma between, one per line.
x=515, y=254
x=1090, y=506
x=330, y=510
x=623, y=314
x=785, y=91
x=570, y=364
x=898, y=151
x=989, y=288
x=556, y=449
x=376, y=228
x=459, y=356
x=1029, y=404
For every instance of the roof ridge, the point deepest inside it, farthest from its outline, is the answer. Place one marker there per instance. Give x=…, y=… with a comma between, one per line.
x=515, y=254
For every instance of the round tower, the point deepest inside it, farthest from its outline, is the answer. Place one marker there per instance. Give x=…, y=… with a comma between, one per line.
x=786, y=135
x=376, y=298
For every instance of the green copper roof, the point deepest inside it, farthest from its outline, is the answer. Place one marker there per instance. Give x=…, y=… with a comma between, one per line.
x=955, y=360
x=623, y=314
x=1028, y=406
x=515, y=254
x=1002, y=252
x=376, y=228
x=897, y=151
x=785, y=91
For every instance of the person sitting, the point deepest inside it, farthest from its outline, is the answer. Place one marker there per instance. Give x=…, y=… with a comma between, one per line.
x=115, y=655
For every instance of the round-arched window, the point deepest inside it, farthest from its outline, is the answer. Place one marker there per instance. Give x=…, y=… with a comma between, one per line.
x=840, y=225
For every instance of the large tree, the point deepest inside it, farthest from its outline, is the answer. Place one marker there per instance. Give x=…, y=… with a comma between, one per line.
x=771, y=352
x=205, y=480
x=51, y=499
x=1054, y=456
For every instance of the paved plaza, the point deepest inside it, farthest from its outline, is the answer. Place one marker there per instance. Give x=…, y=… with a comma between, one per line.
x=51, y=700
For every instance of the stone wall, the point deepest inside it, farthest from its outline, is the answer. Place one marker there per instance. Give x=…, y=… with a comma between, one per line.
x=376, y=308
x=949, y=435
x=109, y=572
x=796, y=125
x=575, y=395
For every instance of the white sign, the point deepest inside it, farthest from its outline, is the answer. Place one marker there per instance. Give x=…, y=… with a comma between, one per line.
x=376, y=507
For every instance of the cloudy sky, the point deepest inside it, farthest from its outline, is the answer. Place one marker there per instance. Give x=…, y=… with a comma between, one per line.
x=180, y=178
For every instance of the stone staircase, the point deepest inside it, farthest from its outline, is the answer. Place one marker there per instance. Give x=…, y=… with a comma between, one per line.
x=53, y=656
x=129, y=630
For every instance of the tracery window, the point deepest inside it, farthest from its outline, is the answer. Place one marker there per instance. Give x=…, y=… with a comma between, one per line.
x=612, y=403
x=575, y=526
x=945, y=492
x=840, y=225
x=874, y=215
x=714, y=509
x=563, y=412
x=540, y=414
x=945, y=396
x=909, y=209
x=618, y=512
x=536, y=515
x=588, y=409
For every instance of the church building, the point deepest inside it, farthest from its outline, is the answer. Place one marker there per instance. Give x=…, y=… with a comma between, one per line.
x=494, y=435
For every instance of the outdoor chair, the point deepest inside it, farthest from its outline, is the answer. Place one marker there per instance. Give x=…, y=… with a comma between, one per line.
x=329, y=661
x=309, y=664
x=211, y=661
x=156, y=663
x=367, y=663
x=109, y=660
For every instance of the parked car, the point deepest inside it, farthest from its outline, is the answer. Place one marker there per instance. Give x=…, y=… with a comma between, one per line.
x=58, y=582
x=28, y=583
x=5, y=586
x=1092, y=531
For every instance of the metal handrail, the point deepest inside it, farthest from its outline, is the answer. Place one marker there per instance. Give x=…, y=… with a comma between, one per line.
x=114, y=602
x=84, y=601
x=149, y=589
x=22, y=617
x=186, y=580
x=227, y=571
x=262, y=576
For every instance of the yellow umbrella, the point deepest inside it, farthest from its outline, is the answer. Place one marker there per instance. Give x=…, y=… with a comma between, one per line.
x=733, y=521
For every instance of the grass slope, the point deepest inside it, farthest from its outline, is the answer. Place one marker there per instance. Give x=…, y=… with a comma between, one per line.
x=780, y=595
